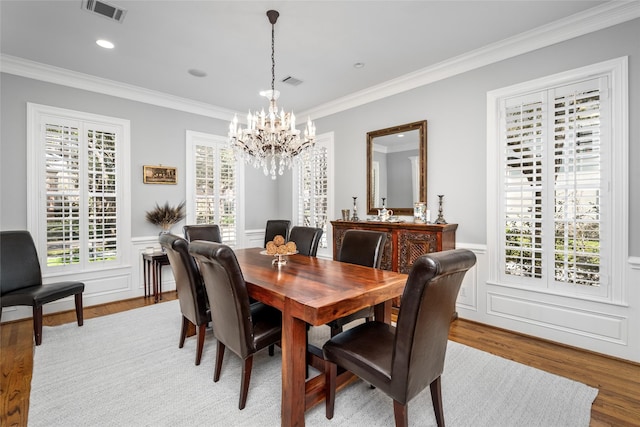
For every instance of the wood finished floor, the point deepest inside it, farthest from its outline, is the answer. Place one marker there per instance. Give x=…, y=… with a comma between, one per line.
x=617, y=404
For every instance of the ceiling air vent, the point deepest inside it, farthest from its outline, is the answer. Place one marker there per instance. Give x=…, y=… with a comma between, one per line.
x=104, y=9
x=292, y=81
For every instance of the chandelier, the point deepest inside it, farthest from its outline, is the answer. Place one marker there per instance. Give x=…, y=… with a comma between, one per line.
x=271, y=140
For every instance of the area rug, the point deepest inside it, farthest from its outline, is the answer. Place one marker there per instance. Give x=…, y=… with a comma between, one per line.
x=126, y=370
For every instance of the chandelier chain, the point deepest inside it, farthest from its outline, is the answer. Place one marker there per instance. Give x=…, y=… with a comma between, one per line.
x=273, y=61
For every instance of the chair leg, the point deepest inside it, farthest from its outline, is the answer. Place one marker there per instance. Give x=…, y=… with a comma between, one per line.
x=79, y=312
x=330, y=373
x=272, y=349
x=37, y=324
x=219, y=357
x=335, y=330
x=436, y=398
x=202, y=329
x=246, y=377
x=183, y=331
x=400, y=413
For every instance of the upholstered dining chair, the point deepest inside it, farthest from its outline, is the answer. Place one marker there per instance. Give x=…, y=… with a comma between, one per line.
x=21, y=280
x=276, y=227
x=192, y=296
x=362, y=247
x=306, y=239
x=401, y=361
x=208, y=232
x=242, y=327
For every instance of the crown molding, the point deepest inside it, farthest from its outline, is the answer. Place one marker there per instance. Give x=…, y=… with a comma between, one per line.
x=594, y=19
x=47, y=73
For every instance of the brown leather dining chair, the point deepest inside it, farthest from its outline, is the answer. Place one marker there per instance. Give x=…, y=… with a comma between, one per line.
x=21, y=280
x=208, y=232
x=401, y=361
x=362, y=247
x=242, y=327
x=192, y=296
x=276, y=227
x=307, y=239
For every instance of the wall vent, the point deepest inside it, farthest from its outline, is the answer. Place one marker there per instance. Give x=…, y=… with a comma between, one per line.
x=104, y=9
x=291, y=80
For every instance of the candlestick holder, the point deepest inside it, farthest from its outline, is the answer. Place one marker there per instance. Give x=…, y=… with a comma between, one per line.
x=440, y=219
x=355, y=210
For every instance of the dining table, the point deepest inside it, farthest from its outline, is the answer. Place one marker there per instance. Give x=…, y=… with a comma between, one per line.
x=314, y=291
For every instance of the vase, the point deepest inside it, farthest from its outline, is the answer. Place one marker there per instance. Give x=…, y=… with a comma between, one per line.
x=163, y=231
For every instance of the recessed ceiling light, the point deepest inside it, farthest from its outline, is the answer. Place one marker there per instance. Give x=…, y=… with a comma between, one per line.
x=105, y=44
x=401, y=135
x=358, y=65
x=197, y=73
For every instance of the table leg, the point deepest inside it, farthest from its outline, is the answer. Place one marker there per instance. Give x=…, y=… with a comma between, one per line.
x=382, y=312
x=159, y=280
x=145, y=275
x=293, y=369
x=155, y=283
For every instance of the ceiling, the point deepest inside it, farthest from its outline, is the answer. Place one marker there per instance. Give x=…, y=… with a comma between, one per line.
x=317, y=42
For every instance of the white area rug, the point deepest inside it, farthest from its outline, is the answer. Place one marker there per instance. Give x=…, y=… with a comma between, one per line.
x=126, y=370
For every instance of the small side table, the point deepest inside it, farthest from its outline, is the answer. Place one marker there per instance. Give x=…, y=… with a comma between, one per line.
x=153, y=273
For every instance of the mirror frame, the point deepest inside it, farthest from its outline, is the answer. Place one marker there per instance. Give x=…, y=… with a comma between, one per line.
x=422, y=127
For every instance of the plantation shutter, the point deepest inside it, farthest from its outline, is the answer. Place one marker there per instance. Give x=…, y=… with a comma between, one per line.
x=80, y=193
x=62, y=193
x=552, y=185
x=313, y=185
x=215, y=192
x=578, y=175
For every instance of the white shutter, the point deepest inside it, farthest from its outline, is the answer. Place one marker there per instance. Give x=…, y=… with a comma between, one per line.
x=313, y=197
x=523, y=139
x=577, y=171
x=62, y=193
x=216, y=183
x=102, y=201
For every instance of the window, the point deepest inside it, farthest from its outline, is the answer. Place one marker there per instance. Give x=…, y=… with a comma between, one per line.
x=77, y=175
x=213, y=185
x=559, y=193
x=313, y=190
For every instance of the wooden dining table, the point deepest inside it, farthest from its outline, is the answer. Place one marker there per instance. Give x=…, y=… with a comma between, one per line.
x=314, y=291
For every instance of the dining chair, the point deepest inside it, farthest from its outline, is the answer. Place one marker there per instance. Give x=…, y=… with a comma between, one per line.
x=242, y=327
x=21, y=280
x=276, y=227
x=192, y=295
x=306, y=239
x=362, y=247
x=208, y=232
x=401, y=361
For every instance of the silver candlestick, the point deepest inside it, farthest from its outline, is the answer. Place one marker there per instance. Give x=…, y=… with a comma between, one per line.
x=440, y=219
x=355, y=211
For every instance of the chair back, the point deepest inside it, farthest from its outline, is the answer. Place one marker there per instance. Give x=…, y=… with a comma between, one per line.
x=228, y=296
x=306, y=239
x=422, y=332
x=19, y=265
x=208, y=232
x=191, y=291
x=362, y=247
x=275, y=227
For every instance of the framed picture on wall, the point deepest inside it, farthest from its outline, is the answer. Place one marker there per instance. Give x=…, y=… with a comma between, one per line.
x=159, y=175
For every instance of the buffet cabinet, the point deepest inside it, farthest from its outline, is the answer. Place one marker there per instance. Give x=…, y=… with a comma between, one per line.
x=406, y=241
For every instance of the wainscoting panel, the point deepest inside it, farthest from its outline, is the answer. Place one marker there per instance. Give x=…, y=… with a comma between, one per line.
x=576, y=321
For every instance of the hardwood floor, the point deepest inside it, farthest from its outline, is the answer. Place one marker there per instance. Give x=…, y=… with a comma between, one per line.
x=617, y=404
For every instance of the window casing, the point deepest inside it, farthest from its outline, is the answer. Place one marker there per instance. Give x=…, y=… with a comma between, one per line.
x=214, y=194
x=558, y=189
x=77, y=173
x=313, y=190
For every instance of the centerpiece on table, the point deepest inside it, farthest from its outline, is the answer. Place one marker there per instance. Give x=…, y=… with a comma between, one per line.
x=166, y=216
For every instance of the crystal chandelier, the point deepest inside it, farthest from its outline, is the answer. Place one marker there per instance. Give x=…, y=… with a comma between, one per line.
x=271, y=140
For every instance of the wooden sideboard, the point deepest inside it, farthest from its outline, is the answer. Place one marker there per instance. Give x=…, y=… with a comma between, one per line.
x=406, y=241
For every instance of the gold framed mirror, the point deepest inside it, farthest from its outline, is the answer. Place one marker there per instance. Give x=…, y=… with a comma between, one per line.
x=397, y=168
